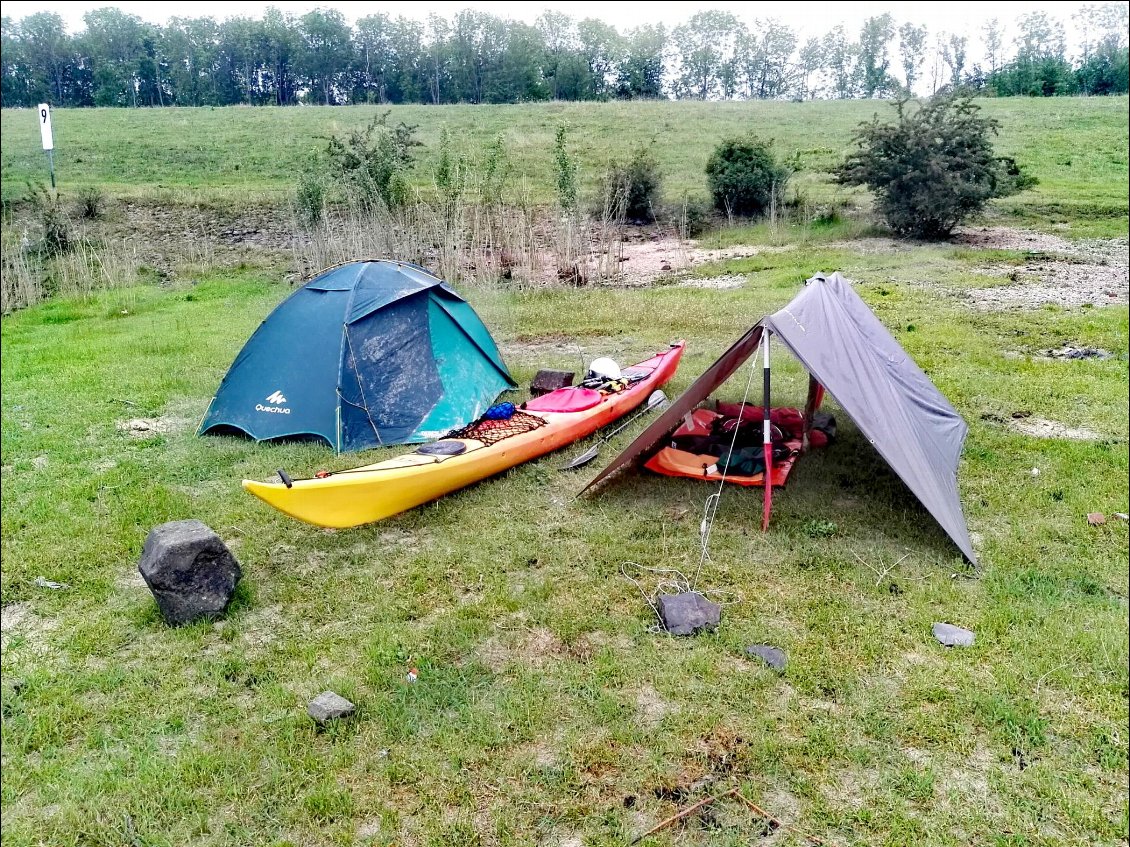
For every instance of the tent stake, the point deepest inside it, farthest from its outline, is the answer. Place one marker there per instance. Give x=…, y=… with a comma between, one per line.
x=767, y=438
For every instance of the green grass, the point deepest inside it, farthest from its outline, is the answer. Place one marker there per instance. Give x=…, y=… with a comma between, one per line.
x=545, y=709
x=1076, y=147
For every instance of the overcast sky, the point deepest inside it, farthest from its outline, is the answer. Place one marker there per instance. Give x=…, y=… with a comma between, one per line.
x=808, y=18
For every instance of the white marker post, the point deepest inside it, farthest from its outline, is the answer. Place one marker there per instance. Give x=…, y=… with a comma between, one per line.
x=48, y=139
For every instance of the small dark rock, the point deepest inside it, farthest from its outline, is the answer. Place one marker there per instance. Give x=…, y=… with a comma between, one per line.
x=1019, y=757
x=688, y=613
x=548, y=379
x=328, y=706
x=772, y=656
x=190, y=571
x=953, y=636
x=1071, y=352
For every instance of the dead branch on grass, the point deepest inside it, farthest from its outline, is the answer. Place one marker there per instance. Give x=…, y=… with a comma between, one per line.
x=774, y=821
x=881, y=575
x=684, y=813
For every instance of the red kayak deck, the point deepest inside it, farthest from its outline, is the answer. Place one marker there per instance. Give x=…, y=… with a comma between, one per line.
x=671, y=461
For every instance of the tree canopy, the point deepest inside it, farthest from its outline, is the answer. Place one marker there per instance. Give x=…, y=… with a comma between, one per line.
x=118, y=59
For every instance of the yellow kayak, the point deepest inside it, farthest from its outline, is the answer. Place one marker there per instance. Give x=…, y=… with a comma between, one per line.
x=374, y=492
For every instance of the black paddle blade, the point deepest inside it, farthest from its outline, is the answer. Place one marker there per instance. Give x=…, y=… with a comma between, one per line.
x=584, y=458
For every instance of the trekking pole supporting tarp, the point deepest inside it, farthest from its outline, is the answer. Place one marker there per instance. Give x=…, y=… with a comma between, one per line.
x=767, y=437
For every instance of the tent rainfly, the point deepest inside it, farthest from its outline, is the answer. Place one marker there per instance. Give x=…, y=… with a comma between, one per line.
x=366, y=354
x=845, y=349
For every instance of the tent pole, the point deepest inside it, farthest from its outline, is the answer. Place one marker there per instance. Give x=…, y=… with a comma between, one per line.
x=767, y=438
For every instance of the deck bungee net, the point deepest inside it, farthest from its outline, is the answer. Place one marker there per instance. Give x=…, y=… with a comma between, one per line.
x=498, y=423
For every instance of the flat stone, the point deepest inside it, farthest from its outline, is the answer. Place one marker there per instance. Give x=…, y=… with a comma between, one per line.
x=190, y=571
x=688, y=613
x=772, y=656
x=329, y=706
x=953, y=636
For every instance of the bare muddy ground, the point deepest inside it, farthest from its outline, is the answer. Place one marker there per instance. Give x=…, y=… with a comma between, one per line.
x=1063, y=273
x=1044, y=428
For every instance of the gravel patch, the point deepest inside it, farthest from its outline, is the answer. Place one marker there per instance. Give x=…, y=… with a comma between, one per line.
x=1060, y=283
x=1098, y=250
x=716, y=282
x=143, y=427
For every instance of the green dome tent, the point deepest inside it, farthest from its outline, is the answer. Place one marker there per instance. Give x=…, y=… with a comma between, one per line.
x=366, y=354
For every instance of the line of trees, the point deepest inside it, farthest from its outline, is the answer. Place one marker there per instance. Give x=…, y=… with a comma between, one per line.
x=475, y=57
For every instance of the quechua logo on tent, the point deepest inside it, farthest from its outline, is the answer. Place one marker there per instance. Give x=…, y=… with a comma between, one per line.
x=276, y=398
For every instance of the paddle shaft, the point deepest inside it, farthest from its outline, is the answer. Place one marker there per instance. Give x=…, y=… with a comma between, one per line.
x=653, y=402
x=647, y=408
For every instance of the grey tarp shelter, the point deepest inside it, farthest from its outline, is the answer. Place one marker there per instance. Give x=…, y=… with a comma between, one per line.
x=845, y=348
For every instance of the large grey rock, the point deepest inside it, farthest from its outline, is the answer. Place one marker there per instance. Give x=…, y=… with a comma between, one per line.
x=772, y=656
x=190, y=571
x=953, y=636
x=688, y=613
x=328, y=706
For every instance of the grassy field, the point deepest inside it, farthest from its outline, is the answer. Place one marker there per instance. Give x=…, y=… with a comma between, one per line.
x=1077, y=147
x=547, y=710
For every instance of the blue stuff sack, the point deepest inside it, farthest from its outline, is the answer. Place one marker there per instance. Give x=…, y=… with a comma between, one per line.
x=500, y=412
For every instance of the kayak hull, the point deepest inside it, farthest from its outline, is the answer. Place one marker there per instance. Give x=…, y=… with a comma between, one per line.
x=374, y=492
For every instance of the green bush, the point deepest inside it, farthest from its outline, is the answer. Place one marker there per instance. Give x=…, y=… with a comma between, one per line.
x=744, y=177
x=630, y=190
x=90, y=202
x=933, y=168
x=56, y=231
x=643, y=183
x=310, y=194
x=565, y=170
x=691, y=215
x=494, y=173
x=372, y=163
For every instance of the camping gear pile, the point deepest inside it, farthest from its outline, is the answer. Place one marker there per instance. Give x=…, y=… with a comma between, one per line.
x=849, y=353
x=498, y=423
x=376, y=353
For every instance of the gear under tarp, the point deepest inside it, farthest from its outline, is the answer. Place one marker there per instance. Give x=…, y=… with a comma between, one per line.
x=841, y=343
